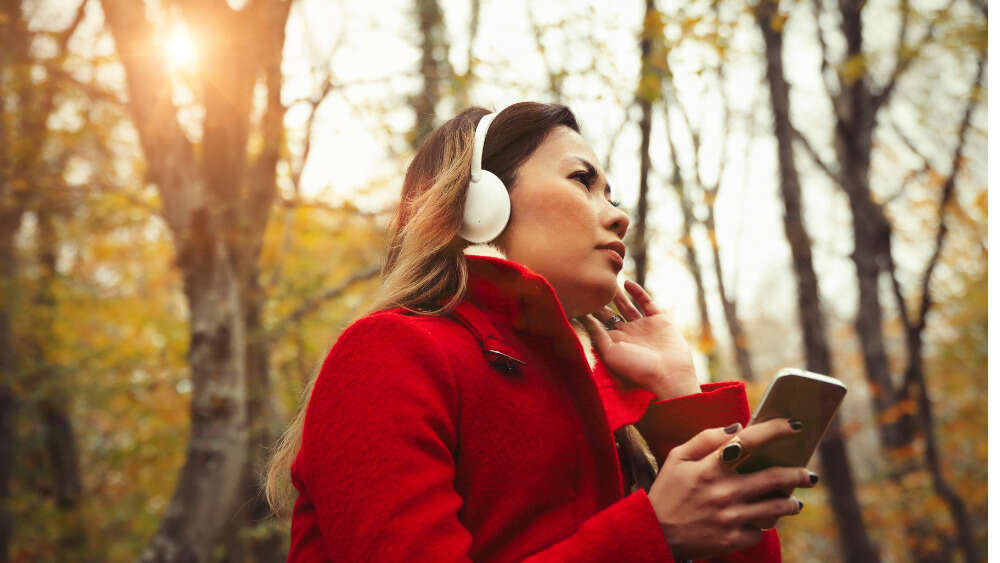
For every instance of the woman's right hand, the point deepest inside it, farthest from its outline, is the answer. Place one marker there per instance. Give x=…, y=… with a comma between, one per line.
x=706, y=508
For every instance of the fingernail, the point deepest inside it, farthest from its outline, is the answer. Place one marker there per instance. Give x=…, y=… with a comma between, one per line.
x=796, y=424
x=732, y=428
x=731, y=452
x=800, y=505
x=813, y=478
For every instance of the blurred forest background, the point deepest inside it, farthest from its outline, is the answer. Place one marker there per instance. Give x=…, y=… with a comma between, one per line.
x=193, y=196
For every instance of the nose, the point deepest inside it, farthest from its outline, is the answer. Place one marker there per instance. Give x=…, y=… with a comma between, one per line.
x=616, y=220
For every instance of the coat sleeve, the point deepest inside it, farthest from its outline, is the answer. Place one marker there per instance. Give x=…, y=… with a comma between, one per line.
x=377, y=459
x=669, y=423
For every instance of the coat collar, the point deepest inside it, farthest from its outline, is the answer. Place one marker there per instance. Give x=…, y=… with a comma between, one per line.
x=514, y=295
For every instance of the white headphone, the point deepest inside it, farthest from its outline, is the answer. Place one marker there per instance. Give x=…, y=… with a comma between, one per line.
x=487, y=204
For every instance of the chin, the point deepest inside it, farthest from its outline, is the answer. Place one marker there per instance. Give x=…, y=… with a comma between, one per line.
x=599, y=295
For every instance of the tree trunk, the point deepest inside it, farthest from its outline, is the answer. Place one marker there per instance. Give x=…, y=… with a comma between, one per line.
x=10, y=222
x=254, y=536
x=217, y=208
x=464, y=82
x=895, y=407
x=854, y=540
x=54, y=405
x=733, y=322
x=645, y=96
x=914, y=379
x=434, y=68
x=639, y=245
x=870, y=228
x=706, y=339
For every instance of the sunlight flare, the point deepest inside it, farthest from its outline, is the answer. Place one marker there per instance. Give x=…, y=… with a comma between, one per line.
x=181, y=49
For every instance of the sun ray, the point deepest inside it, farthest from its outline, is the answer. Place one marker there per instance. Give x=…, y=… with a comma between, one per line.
x=181, y=48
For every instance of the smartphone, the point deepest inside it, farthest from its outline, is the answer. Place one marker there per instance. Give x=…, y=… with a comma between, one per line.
x=794, y=393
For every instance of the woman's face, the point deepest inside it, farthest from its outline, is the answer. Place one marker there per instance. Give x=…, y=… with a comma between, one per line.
x=563, y=224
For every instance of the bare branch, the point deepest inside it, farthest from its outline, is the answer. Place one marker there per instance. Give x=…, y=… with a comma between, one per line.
x=92, y=91
x=670, y=102
x=297, y=172
x=824, y=64
x=346, y=208
x=723, y=133
x=833, y=174
x=897, y=291
x=67, y=33
x=171, y=156
x=614, y=138
x=904, y=58
x=313, y=303
x=555, y=76
x=947, y=194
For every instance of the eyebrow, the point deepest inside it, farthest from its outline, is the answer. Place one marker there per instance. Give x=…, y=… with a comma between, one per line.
x=592, y=170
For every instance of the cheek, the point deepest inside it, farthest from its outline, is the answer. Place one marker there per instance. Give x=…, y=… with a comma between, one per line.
x=558, y=224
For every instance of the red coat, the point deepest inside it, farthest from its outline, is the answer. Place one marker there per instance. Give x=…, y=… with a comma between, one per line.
x=483, y=436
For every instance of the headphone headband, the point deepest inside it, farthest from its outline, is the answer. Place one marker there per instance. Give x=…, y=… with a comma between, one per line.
x=479, y=140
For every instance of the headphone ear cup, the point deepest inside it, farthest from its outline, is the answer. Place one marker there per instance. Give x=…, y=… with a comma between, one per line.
x=487, y=209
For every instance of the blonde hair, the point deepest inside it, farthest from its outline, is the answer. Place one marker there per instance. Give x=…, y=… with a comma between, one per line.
x=425, y=270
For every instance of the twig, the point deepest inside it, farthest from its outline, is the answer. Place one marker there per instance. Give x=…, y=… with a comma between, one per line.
x=311, y=304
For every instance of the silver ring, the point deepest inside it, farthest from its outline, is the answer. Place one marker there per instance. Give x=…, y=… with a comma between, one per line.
x=615, y=319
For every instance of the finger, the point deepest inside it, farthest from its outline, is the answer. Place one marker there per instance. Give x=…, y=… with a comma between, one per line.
x=766, y=512
x=598, y=334
x=731, y=454
x=705, y=442
x=641, y=298
x=773, y=479
x=605, y=315
x=625, y=305
x=755, y=435
x=743, y=538
x=763, y=524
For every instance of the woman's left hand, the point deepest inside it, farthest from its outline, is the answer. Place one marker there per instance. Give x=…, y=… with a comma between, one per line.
x=646, y=348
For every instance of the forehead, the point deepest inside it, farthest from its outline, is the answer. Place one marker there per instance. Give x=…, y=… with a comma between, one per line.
x=564, y=145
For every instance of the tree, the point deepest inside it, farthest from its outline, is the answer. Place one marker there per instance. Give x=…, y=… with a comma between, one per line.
x=914, y=377
x=854, y=540
x=647, y=93
x=216, y=200
x=30, y=182
x=858, y=101
x=435, y=70
x=699, y=189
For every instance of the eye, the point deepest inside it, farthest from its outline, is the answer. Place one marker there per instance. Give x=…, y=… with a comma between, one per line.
x=585, y=177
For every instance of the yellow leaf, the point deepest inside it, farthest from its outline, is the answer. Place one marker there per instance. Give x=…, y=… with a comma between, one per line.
x=778, y=21
x=852, y=69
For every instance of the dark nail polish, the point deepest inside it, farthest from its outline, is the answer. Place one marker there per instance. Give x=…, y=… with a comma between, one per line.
x=732, y=428
x=731, y=452
x=796, y=424
x=800, y=505
x=813, y=478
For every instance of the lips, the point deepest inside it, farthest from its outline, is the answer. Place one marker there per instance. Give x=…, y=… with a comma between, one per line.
x=616, y=246
x=615, y=252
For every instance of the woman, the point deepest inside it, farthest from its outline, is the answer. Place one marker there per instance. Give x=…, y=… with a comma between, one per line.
x=463, y=418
